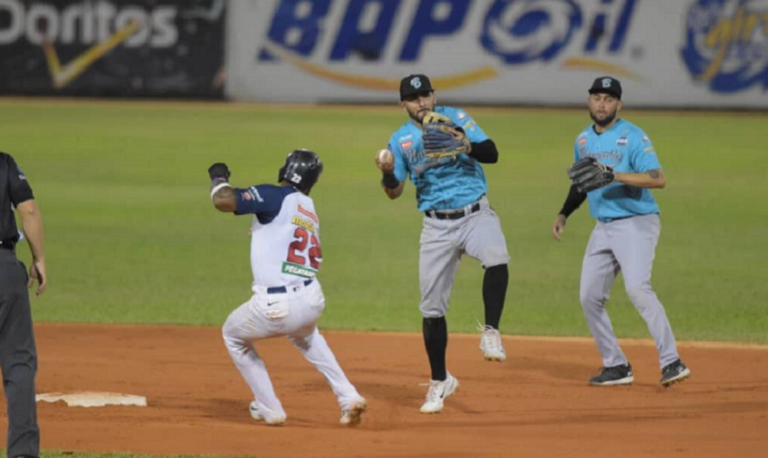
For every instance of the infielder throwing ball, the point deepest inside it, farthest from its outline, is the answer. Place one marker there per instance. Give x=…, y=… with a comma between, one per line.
x=287, y=298
x=440, y=149
x=616, y=166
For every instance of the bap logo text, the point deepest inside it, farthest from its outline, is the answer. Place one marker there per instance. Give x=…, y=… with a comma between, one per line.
x=520, y=31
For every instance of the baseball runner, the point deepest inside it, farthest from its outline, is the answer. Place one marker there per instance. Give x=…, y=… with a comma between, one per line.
x=18, y=354
x=440, y=149
x=287, y=298
x=616, y=167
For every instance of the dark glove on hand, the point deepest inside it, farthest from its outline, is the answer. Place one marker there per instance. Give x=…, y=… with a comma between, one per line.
x=219, y=170
x=587, y=174
x=442, y=138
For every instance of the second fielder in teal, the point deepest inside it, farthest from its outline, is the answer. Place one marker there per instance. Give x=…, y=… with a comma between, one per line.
x=625, y=236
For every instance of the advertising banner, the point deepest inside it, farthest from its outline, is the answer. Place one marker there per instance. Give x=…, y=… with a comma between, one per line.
x=681, y=53
x=112, y=48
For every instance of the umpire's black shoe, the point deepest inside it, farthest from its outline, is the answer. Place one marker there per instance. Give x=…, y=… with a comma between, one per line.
x=616, y=375
x=674, y=373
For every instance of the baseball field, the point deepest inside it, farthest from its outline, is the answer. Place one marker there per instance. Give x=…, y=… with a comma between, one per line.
x=143, y=272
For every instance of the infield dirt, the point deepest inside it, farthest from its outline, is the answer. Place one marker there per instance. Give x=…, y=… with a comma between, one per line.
x=536, y=404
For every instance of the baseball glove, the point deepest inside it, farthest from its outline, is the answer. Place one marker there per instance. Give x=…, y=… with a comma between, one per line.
x=587, y=174
x=443, y=138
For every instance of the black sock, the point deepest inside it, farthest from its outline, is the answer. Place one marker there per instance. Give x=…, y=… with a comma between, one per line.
x=435, y=332
x=494, y=291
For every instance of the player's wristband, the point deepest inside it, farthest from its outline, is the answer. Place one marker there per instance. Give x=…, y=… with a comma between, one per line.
x=218, y=187
x=389, y=181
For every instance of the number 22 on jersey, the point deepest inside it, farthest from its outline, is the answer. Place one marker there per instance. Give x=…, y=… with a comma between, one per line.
x=297, y=249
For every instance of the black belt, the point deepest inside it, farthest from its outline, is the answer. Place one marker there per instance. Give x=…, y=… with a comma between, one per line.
x=284, y=289
x=453, y=214
x=6, y=246
x=610, y=220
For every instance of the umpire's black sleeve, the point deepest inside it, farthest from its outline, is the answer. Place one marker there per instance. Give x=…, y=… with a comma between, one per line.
x=485, y=152
x=20, y=191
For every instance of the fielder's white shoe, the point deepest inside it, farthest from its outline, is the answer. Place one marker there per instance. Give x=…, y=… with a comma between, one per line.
x=438, y=391
x=490, y=344
x=269, y=419
x=352, y=415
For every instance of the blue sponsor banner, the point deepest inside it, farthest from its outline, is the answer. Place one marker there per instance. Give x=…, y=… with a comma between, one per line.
x=542, y=52
x=726, y=44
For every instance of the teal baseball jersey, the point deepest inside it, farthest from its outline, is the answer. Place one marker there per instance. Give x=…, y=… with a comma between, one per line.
x=625, y=148
x=441, y=184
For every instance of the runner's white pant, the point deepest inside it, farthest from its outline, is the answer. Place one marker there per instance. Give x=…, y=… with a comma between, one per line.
x=293, y=314
x=627, y=246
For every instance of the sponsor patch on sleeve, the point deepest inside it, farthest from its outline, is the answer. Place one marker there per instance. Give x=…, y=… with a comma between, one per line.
x=252, y=194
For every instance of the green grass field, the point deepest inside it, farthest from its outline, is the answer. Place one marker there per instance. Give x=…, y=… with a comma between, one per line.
x=133, y=238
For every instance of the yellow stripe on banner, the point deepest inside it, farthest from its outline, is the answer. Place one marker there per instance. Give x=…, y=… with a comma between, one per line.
x=583, y=63
x=64, y=75
x=385, y=84
x=54, y=67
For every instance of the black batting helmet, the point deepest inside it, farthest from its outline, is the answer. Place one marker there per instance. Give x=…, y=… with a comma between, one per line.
x=302, y=168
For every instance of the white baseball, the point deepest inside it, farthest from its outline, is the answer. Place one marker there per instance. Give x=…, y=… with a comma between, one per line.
x=385, y=158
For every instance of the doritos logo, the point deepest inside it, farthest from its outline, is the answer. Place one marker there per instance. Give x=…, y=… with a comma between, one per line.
x=406, y=145
x=582, y=141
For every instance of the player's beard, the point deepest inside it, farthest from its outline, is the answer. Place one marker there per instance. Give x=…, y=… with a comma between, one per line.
x=418, y=116
x=605, y=121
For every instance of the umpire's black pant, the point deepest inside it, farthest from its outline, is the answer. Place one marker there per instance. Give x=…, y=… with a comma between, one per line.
x=18, y=357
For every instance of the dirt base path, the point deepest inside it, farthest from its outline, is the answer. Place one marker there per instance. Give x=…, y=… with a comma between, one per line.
x=537, y=404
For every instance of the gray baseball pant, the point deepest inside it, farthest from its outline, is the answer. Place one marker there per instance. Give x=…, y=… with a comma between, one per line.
x=443, y=242
x=18, y=357
x=628, y=246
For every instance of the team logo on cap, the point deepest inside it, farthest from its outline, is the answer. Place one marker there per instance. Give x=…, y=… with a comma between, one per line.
x=416, y=82
x=607, y=82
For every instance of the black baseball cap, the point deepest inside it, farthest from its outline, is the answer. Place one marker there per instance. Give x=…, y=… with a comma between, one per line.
x=414, y=84
x=606, y=85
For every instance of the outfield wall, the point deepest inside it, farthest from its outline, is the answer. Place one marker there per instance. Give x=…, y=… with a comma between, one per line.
x=668, y=53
